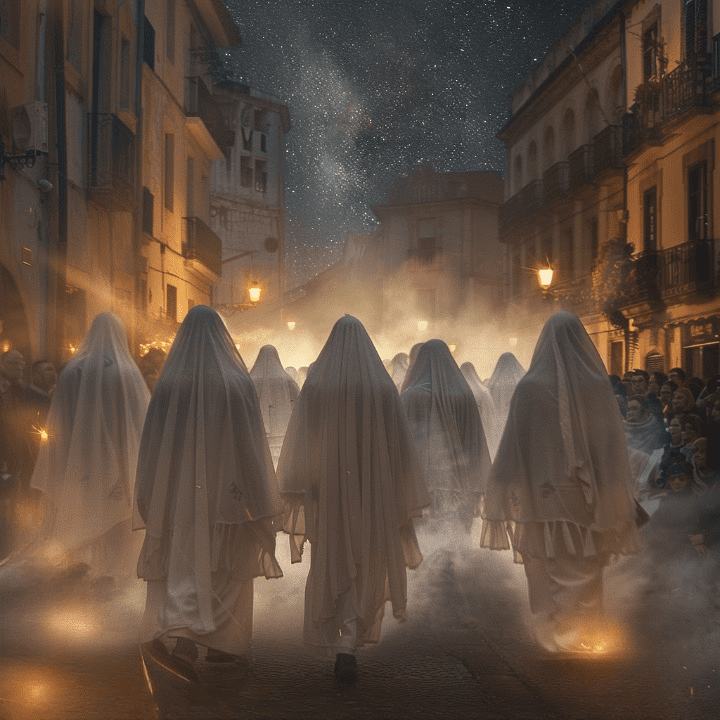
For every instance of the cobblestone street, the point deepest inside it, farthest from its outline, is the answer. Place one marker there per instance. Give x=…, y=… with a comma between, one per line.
x=68, y=653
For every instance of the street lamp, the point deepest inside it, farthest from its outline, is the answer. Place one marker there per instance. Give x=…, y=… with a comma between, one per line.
x=291, y=325
x=254, y=291
x=545, y=276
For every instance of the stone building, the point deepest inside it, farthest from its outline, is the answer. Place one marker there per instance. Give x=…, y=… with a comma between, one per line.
x=610, y=168
x=110, y=129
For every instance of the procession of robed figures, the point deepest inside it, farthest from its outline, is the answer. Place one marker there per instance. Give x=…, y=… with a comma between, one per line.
x=185, y=470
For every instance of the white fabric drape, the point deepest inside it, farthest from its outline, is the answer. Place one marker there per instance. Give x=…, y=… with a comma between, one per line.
x=206, y=490
x=448, y=431
x=485, y=404
x=86, y=468
x=561, y=477
x=502, y=383
x=350, y=475
x=397, y=368
x=277, y=393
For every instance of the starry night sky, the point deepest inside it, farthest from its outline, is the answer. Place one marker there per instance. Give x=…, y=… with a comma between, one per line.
x=377, y=88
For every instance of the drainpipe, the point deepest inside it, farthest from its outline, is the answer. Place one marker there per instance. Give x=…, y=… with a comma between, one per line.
x=57, y=250
x=138, y=229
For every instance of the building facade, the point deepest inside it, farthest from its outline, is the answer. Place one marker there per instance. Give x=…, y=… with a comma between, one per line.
x=110, y=129
x=610, y=155
x=248, y=199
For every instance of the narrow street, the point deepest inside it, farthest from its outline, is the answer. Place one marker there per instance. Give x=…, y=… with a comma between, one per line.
x=68, y=653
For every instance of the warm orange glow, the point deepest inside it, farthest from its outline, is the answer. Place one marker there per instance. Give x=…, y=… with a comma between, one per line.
x=291, y=325
x=513, y=341
x=453, y=348
x=6, y=346
x=41, y=432
x=422, y=325
x=545, y=275
x=74, y=623
x=254, y=291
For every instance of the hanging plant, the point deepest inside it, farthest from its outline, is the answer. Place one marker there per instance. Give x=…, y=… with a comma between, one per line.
x=611, y=279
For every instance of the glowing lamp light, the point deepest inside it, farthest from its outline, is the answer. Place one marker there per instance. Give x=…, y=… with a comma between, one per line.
x=545, y=276
x=5, y=346
x=254, y=291
x=422, y=325
x=291, y=325
x=452, y=348
x=513, y=341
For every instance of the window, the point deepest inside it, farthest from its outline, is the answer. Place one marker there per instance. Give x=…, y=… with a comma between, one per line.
x=616, y=358
x=698, y=202
x=75, y=34
x=169, y=171
x=649, y=50
x=261, y=176
x=594, y=227
x=190, y=210
x=650, y=243
x=567, y=255
x=246, y=171
x=125, y=74
x=696, y=28
x=149, y=45
x=148, y=211
x=170, y=31
x=171, y=303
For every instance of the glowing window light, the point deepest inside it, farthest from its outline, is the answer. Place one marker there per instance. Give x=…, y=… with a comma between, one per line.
x=452, y=348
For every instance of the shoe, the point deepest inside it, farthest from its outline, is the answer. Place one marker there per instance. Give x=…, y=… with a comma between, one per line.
x=176, y=664
x=346, y=668
x=218, y=656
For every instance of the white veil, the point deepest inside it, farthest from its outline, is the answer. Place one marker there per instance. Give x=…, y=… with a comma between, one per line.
x=349, y=472
x=446, y=424
x=204, y=467
x=485, y=404
x=86, y=468
x=502, y=383
x=562, y=466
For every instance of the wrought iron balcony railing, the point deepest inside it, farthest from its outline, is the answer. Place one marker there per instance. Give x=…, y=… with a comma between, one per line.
x=607, y=149
x=426, y=256
x=199, y=102
x=111, y=161
x=555, y=181
x=580, y=166
x=203, y=245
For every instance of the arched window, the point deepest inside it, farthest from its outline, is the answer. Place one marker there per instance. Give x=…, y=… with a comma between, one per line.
x=615, y=99
x=593, y=116
x=518, y=174
x=532, y=163
x=549, y=148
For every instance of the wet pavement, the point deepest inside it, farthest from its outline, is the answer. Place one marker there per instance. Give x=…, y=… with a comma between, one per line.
x=67, y=652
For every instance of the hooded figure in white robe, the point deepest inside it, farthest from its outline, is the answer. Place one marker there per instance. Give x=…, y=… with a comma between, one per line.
x=559, y=492
x=397, y=368
x=206, y=494
x=449, y=435
x=485, y=404
x=502, y=383
x=277, y=392
x=86, y=466
x=350, y=475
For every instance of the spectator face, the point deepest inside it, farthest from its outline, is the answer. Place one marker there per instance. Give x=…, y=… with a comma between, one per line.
x=700, y=456
x=679, y=402
x=675, y=378
x=627, y=382
x=45, y=376
x=666, y=394
x=13, y=364
x=675, y=431
x=688, y=434
x=639, y=385
x=715, y=412
x=679, y=483
x=635, y=412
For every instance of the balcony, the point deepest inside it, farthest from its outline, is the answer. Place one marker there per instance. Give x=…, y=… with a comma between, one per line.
x=532, y=197
x=662, y=100
x=511, y=215
x=111, y=162
x=671, y=275
x=426, y=256
x=580, y=167
x=205, y=119
x=607, y=149
x=203, y=249
x=555, y=182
